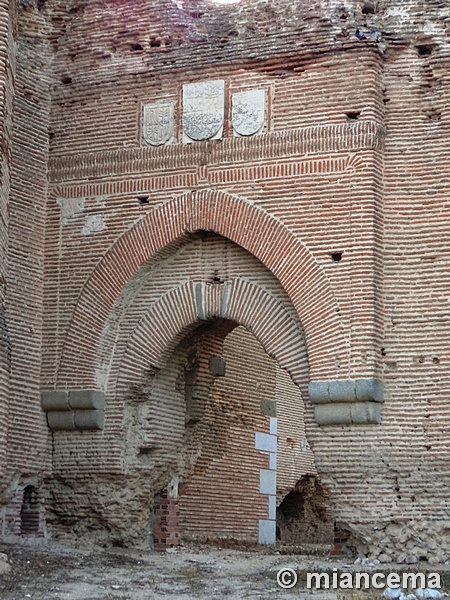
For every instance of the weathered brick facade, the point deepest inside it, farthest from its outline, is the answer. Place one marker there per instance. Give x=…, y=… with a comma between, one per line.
x=133, y=272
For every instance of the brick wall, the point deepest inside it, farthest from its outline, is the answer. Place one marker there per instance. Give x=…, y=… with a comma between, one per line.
x=6, y=96
x=351, y=161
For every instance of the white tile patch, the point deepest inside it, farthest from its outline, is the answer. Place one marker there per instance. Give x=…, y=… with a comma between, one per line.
x=272, y=508
x=273, y=461
x=267, y=482
x=273, y=425
x=265, y=442
x=267, y=532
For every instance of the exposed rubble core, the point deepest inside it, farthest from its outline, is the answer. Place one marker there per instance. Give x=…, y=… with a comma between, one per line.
x=223, y=260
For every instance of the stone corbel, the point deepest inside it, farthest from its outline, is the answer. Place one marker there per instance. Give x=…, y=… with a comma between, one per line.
x=347, y=401
x=67, y=410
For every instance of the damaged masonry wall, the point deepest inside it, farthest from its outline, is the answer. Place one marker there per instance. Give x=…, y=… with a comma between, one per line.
x=345, y=181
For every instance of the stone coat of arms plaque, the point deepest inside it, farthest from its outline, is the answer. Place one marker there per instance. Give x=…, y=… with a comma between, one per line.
x=248, y=112
x=203, y=110
x=159, y=123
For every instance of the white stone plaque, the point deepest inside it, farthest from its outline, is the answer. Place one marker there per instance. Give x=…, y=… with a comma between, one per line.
x=248, y=112
x=203, y=110
x=159, y=124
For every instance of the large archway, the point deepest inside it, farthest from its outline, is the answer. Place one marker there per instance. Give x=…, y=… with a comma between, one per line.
x=205, y=281
x=260, y=233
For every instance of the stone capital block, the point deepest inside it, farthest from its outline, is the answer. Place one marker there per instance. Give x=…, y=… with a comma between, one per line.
x=86, y=399
x=348, y=413
x=88, y=420
x=346, y=390
x=55, y=400
x=61, y=420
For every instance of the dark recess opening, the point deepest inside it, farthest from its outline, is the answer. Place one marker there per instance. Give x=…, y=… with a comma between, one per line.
x=29, y=512
x=143, y=199
x=353, y=115
x=424, y=49
x=336, y=256
x=368, y=9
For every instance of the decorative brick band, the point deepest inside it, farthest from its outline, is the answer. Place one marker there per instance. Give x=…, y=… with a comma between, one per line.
x=362, y=135
x=262, y=234
x=74, y=409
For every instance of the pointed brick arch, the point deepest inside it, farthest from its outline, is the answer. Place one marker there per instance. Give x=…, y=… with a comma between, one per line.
x=262, y=234
x=160, y=330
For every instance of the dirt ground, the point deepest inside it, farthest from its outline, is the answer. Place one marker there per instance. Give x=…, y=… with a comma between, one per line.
x=58, y=572
x=52, y=571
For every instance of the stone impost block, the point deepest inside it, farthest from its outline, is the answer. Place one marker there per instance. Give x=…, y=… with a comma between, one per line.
x=86, y=399
x=89, y=419
x=366, y=412
x=369, y=389
x=319, y=392
x=55, y=400
x=348, y=413
x=336, y=413
x=346, y=390
x=342, y=390
x=61, y=420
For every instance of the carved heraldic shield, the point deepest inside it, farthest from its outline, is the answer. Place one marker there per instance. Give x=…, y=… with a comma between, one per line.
x=158, y=125
x=248, y=112
x=203, y=110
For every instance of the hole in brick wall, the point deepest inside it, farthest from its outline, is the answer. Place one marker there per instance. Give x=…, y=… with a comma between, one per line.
x=41, y=4
x=303, y=516
x=383, y=352
x=197, y=14
x=424, y=49
x=143, y=199
x=145, y=450
x=29, y=512
x=154, y=43
x=353, y=115
x=368, y=9
x=136, y=47
x=386, y=100
x=436, y=360
x=66, y=80
x=336, y=256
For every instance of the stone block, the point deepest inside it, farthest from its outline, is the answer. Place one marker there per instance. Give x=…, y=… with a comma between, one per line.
x=319, y=392
x=217, y=366
x=86, y=399
x=342, y=390
x=55, y=400
x=268, y=407
x=267, y=532
x=366, y=412
x=61, y=420
x=89, y=419
x=369, y=390
x=273, y=426
x=267, y=482
x=265, y=442
x=333, y=413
